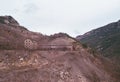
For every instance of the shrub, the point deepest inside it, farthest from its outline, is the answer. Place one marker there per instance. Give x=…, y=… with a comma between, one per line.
x=84, y=45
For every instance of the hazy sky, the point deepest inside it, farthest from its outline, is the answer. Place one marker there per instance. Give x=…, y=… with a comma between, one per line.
x=74, y=17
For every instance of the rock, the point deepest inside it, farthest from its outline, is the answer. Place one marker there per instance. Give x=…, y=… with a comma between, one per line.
x=8, y=20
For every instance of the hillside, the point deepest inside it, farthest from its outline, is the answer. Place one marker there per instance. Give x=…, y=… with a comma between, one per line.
x=105, y=39
x=27, y=56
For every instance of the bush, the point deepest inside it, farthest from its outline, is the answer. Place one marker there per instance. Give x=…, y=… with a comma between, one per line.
x=84, y=45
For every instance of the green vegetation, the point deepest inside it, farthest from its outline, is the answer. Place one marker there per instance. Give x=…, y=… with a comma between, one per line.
x=84, y=45
x=105, y=40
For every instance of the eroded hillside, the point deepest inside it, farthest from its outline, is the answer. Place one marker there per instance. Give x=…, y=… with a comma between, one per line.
x=27, y=56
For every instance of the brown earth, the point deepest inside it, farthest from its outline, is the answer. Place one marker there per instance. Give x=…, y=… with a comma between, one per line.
x=20, y=63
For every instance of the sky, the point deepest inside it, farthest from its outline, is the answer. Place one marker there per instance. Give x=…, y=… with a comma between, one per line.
x=74, y=17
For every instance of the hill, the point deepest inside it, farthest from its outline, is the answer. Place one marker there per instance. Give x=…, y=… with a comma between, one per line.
x=27, y=56
x=105, y=40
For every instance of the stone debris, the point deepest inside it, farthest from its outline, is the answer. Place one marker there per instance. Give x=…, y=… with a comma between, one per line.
x=22, y=61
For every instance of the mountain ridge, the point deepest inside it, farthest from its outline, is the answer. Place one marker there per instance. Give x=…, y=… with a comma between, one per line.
x=105, y=39
x=21, y=60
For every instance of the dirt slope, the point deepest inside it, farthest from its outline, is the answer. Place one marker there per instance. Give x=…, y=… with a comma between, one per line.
x=63, y=59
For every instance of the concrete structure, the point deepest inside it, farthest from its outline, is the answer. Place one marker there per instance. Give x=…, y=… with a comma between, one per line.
x=29, y=44
x=56, y=47
x=32, y=45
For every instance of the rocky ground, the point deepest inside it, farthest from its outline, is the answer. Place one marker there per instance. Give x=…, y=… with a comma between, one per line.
x=76, y=63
